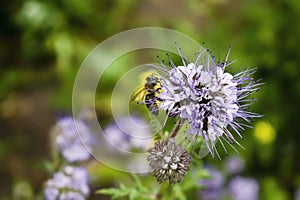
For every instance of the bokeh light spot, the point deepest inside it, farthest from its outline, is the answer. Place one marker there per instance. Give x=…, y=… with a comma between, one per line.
x=264, y=132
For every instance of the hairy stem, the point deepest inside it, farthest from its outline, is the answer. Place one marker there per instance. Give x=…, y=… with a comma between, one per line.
x=176, y=128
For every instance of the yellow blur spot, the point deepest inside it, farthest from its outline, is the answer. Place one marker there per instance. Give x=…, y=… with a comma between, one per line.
x=264, y=132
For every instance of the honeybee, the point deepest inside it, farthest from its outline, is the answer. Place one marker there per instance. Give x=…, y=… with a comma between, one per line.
x=148, y=94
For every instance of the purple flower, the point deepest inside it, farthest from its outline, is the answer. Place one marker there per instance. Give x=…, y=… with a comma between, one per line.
x=71, y=196
x=297, y=194
x=70, y=183
x=212, y=101
x=129, y=133
x=213, y=187
x=234, y=165
x=74, y=142
x=242, y=188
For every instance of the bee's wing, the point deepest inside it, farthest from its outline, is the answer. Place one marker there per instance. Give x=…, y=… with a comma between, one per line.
x=139, y=95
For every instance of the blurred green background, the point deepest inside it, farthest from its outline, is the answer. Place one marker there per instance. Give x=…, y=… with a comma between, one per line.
x=42, y=44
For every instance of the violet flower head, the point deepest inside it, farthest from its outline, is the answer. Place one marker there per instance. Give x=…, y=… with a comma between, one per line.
x=74, y=142
x=213, y=186
x=297, y=194
x=242, y=188
x=213, y=102
x=129, y=133
x=70, y=183
x=234, y=165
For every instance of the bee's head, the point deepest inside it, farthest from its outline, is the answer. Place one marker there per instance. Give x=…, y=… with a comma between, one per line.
x=152, y=80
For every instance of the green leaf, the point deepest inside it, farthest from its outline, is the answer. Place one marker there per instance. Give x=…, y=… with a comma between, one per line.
x=123, y=187
x=136, y=191
x=114, y=193
x=138, y=183
x=109, y=191
x=133, y=195
x=178, y=193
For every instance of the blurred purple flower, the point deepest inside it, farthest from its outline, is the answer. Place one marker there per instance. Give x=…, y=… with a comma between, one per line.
x=71, y=196
x=235, y=165
x=297, y=194
x=242, y=188
x=213, y=186
x=70, y=183
x=74, y=142
x=129, y=133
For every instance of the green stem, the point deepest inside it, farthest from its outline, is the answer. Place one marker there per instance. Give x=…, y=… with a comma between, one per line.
x=164, y=187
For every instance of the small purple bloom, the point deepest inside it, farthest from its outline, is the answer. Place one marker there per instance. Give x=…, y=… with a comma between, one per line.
x=213, y=187
x=70, y=183
x=129, y=133
x=74, y=142
x=235, y=165
x=242, y=188
x=297, y=194
x=71, y=196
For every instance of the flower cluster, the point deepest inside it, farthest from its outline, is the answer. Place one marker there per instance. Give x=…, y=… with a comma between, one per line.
x=74, y=142
x=230, y=185
x=243, y=188
x=212, y=101
x=234, y=165
x=169, y=161
x=213, y=185
x=128, y=133
x=297, y=194
x=70, y=183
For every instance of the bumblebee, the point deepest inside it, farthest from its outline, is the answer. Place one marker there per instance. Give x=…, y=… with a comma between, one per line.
x=148, y=94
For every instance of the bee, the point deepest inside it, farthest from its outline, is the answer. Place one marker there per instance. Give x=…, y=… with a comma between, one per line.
x=148, y=94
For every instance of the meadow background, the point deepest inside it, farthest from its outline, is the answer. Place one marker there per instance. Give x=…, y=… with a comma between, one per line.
x=43, y=43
